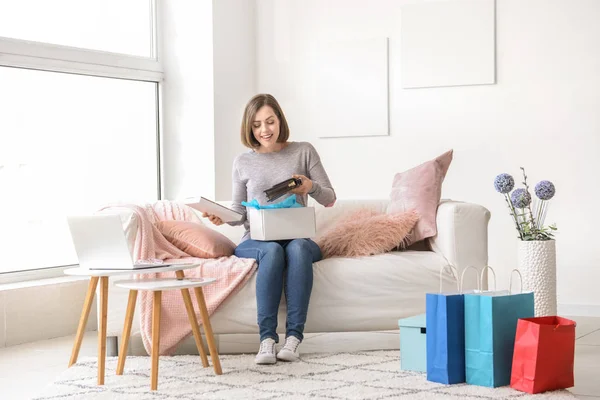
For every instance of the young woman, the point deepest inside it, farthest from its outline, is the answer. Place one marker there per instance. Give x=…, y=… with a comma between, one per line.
x=284, y=264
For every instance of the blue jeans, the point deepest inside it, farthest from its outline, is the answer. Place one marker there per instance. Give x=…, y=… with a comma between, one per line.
x=282, y=265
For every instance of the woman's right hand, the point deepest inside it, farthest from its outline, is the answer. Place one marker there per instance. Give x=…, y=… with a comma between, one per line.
x=213, y=218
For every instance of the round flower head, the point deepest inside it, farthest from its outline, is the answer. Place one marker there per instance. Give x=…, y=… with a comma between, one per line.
x=520, y=198
x=545, y=190
x=504, y=183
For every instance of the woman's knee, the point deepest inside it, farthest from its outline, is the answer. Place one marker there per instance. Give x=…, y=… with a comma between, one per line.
x=272, y=249
x=272, y=257
x=299, y=248
x=259, y=250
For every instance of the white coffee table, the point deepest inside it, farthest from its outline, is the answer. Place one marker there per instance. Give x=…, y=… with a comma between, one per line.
x=103, y=276
x=157, y=286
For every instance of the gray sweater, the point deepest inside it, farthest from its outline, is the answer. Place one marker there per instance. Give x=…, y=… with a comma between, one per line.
x=255, y=172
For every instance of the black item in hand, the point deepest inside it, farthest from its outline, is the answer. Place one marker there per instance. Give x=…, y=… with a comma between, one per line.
x=282, y=188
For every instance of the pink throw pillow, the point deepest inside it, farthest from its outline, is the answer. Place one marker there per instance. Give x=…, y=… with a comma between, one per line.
x=420, y=189
x=196, y=239
x=366, y=232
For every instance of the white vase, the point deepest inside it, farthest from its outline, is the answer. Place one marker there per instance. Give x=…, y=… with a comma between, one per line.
x=537, y=264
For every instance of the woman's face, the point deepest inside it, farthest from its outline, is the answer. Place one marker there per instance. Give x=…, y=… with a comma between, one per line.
x=265, y=128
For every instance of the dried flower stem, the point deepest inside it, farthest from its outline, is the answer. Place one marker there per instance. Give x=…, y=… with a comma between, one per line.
x=529, y=205
x=514, y=214
x=538, y=213
x=545, y=205
x=541, y=210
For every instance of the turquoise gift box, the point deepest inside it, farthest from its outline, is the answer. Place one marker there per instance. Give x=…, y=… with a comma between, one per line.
x=413, y=343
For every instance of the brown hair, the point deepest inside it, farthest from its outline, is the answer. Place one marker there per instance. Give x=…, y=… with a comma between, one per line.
x=255, y=104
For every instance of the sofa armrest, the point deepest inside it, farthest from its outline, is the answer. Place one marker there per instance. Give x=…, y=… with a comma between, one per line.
x=462, y=237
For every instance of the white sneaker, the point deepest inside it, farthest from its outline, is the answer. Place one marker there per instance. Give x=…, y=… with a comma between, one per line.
x=289, y=352
x=266, y=353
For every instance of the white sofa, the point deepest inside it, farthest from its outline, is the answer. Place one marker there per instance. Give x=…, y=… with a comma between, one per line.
x=349, y=294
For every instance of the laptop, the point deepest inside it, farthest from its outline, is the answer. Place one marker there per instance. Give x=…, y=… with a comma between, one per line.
x=100, y=243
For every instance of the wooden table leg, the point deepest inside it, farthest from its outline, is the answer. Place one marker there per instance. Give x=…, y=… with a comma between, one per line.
x=155, y=338
x=102, y=328
x=208, y=330
x=126, y=330
x=85, y=313
x=187, y=300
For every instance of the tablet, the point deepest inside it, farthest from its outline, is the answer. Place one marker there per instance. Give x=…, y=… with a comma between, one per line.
x=210, y=207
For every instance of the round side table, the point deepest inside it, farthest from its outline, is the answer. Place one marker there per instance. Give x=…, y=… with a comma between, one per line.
x=102, y=275
x=158, y=286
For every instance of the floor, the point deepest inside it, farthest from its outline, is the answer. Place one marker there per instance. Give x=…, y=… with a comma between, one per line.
x=27, y=368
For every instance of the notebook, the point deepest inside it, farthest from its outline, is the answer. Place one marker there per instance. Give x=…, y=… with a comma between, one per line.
x=210, y=207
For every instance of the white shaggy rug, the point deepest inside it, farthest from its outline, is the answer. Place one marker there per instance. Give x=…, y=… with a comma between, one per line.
x=358, y=375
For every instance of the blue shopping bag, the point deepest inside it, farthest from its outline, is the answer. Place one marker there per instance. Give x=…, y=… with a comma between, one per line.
x=490, y=320
x=445, y=322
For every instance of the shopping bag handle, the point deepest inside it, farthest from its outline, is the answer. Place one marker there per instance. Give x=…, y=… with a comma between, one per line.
x=481, y=277
x=442, y=279
x=462, y=279
x=510, y=280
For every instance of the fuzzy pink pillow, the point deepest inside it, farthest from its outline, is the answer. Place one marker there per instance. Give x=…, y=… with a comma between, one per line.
x=366, y=232
x=420, y=189
x=196, y=239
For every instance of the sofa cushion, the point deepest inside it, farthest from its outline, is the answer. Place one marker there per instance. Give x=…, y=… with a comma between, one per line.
x=394, y=283
x=367, y=232
x=326, y=217
x=420, y=188
x=196, y=239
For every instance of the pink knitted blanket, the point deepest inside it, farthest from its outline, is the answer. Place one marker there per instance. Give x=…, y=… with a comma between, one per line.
x=231, y=274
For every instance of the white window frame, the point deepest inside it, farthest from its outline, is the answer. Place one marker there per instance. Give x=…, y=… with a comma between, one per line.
x=57, y=58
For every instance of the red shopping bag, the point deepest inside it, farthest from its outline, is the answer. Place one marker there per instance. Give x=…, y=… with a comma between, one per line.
x=544, y=354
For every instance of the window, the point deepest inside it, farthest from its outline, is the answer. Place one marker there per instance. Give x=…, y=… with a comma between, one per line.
x=115, y=26
x=76, y=134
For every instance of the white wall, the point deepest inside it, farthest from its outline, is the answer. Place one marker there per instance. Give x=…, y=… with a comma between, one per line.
x=234, y=39
x=209, y=54
x=186, y=49
x=542, y=114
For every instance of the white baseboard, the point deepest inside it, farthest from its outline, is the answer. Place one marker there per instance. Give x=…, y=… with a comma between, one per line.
x=579, y=310
x=33, y=311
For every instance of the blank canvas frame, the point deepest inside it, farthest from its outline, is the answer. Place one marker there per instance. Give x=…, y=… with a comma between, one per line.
x=447, y=43
x=351, y=89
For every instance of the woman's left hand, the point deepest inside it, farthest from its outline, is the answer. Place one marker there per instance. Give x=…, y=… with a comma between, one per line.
x=305, y=187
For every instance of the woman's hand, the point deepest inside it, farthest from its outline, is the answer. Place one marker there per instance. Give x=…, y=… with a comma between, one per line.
x=305, y=187
x=213, y=218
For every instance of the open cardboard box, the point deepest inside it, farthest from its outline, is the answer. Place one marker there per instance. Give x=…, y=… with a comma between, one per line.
x=282, y=223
